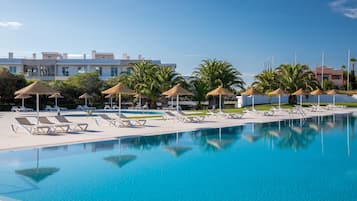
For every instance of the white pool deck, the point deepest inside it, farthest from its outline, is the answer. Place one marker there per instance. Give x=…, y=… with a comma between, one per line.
x=10, y=140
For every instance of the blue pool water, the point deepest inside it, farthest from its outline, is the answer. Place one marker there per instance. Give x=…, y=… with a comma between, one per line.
x=314, y=159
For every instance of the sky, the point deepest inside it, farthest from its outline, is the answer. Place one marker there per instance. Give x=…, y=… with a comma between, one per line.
x=250, y=34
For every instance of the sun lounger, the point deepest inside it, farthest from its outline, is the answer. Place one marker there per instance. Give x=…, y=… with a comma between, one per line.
x=191, y=119
x=230, y=115
x=30, y=127
x=115, y=121
x=50, y=108
x=138, y=122
x=15, y=109
x=269, y=113
x=169, y=116
x=56, y=128
x=75, y=126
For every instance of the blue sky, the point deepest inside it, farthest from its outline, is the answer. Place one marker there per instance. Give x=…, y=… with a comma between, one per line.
x=247, y=33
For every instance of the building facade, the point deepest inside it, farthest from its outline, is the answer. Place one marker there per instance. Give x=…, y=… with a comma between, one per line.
x=56, y=66
x=336, y=76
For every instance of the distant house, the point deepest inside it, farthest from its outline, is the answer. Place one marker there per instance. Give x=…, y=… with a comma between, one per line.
x=336, y=76
x=57, y=66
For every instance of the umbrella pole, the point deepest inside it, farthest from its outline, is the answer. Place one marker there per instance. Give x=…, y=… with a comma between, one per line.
x=318, y=101
x=220, y=103
x=172, y=102
x=111, y=101
x=177, y=103
x=301, y=100
x=279, y=102
x=56, y=101
x=119, y=103
x=38, y=106
x=85, y=101
x=253, y=103
x=334, y=100
x=23, y=102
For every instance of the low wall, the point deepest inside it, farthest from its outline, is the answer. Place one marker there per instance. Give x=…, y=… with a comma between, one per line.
x=247, y=100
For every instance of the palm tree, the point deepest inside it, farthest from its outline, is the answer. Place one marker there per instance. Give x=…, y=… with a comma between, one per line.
x=150, y=79
x=212, y=73
x=294, y=77
x=266, y=81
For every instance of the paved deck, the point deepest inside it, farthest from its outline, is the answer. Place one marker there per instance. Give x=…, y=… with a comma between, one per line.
x=10, y=140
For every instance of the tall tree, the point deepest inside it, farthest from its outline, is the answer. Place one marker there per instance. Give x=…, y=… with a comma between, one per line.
x=266, y=81
x=294, y=77
x=213, y=73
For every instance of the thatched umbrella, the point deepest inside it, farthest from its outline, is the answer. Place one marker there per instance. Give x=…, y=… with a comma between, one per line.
x=220, y=91
x=332, y=92
x=85, y=96
x=177, y=91
x=251, y=92
x=317, y=93
x=119, y=89
x=278, y=92
x=37, y=174
x=56, y=96
x=23, y=97
x=300, y=93
x=37, y=89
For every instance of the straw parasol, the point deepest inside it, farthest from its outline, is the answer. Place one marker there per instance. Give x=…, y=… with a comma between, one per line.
x=177, y=91
x=317, y=93
x=37, y=174
x=56, y=96
x=219, y=91
x=251, y=92
x=278, y=92
x=85, y=96
x=300, y=93
x=23, y=97
x=37, y=89
x=119, y=89
x=332, y=92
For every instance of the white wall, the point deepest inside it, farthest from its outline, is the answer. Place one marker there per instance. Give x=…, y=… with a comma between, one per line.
x=247, y=100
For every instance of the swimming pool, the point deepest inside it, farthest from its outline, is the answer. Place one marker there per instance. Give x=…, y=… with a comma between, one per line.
x=313, y=159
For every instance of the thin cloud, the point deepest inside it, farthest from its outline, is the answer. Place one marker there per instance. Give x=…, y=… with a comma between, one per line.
x=347, y=7
x=10, y=25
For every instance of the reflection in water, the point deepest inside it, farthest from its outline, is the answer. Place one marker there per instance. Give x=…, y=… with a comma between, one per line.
x=37, y=174
x=121, y=159
x=217, y=139
x=177, y=150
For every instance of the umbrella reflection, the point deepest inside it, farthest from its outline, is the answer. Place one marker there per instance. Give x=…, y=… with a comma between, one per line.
x=177, y=150
x=37, y=174
x=120, y=160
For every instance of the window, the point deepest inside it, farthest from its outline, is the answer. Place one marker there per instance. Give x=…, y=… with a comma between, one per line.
x=12, y=69
x=81, y=69
x=336, y=77
x=114, y=71
x=99, y=70
x=65, y=71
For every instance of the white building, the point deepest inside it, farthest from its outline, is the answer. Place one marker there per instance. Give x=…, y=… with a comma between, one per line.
x=56, y=66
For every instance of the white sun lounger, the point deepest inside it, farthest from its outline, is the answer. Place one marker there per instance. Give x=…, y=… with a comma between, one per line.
x=29, y=127
x=138, y=122
x=56, y=128
x=75, y=126
x=115, y=121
